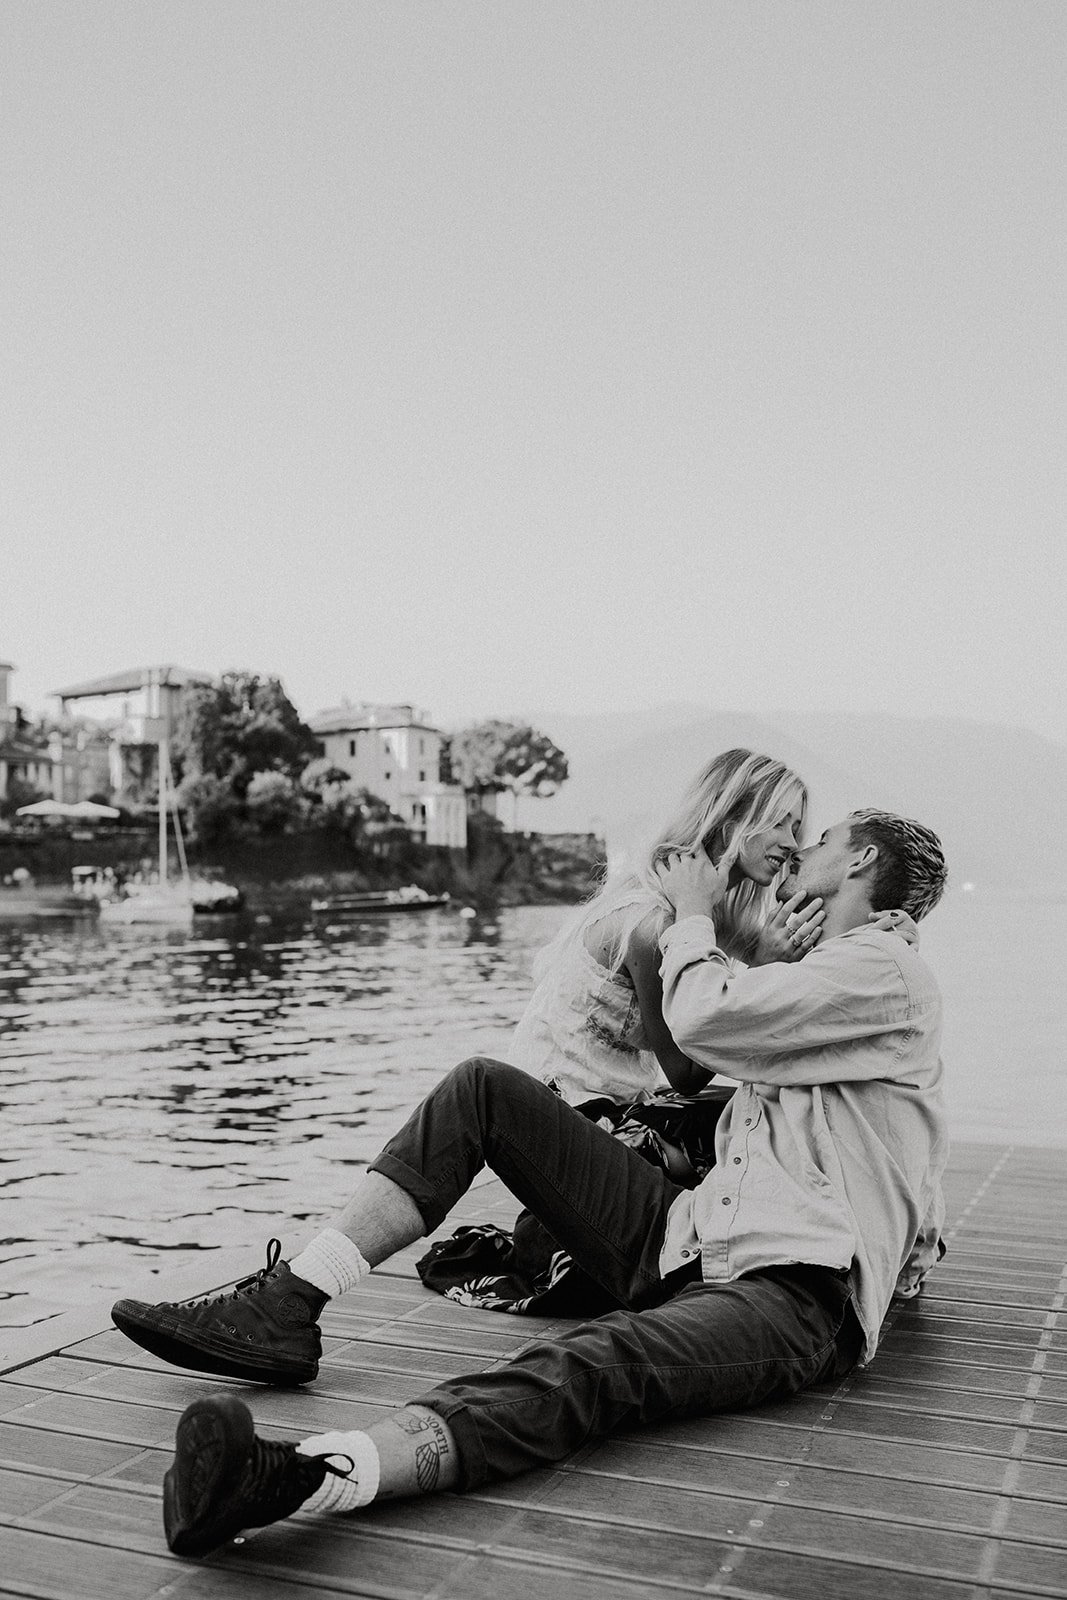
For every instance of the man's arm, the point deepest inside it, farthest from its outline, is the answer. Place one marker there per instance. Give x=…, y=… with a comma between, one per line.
x=776, y=1024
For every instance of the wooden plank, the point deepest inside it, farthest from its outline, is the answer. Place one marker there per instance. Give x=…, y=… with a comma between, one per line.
x=61, y=1452
x=344, y=1362
x=940, y=1472
x=664, y=1479
x=939, y=1464
x=345, y=1554
x=35, y=1563
x=24, y=1492
x=956, y=1401
x=40, y=1565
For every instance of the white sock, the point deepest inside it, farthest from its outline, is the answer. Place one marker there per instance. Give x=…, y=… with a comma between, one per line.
x=331, y=1262
x=359, y=1487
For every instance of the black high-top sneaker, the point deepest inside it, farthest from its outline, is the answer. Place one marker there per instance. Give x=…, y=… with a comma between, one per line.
x=224, y=1478
x=264, y=1329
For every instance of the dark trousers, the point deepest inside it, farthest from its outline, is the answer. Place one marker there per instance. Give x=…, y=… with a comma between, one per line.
x=680, y=1347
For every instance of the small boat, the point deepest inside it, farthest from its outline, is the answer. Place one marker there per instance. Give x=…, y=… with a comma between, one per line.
x=26, y=900
x=169, y=902
x=410, y=898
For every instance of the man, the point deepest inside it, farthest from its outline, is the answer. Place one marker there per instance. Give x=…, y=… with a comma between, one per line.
x=774, y=1274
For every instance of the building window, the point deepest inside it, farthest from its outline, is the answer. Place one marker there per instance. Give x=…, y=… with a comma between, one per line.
x=387, y=776
x=422, y=776
x=351, y=747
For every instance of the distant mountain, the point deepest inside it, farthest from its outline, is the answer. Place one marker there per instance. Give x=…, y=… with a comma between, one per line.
x=994, y=794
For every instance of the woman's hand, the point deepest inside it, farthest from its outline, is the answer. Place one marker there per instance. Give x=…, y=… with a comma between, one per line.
x=791, y=932
x=692, y=883
x=897, y=922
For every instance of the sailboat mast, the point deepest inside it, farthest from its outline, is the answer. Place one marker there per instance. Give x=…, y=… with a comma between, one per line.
x=164, y=764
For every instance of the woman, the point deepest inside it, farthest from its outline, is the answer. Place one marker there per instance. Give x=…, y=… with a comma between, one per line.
x=594, y=1028
x=594, y=1025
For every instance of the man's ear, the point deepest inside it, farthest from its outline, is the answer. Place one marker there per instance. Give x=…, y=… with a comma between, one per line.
x=863, y=861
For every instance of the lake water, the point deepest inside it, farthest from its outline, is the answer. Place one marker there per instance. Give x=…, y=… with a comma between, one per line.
x=174, y=1092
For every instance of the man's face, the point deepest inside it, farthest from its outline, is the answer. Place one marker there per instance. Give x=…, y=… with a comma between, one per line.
x=821, y=868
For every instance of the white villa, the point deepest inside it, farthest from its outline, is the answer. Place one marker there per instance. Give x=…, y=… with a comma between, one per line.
x=137, y=708
x=395, y=752
x=68, y=762
x=112, y=728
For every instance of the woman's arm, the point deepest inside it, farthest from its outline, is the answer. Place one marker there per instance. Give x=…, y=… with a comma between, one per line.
x=642, y=962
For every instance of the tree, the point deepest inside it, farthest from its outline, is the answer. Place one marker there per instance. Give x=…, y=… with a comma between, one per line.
x=209, y=807
x=241, y=725
x=376, y=827
x=322, y=775
x=274, y=802
x=494, y=756
x=19, y=793
x=332, y=804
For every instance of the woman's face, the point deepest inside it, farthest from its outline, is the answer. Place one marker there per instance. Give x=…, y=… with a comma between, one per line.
x=764, y=855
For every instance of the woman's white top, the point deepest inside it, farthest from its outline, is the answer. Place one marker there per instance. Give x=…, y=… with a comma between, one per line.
x=582, y=1031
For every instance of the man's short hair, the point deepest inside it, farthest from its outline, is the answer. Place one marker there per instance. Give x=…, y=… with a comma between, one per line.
x=910, y=872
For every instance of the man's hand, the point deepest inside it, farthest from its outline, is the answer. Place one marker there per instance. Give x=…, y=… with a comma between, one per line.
x=692, y=883
x=791, y=932
x=897, y=922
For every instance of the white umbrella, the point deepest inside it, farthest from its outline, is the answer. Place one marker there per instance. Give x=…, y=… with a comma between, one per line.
x=44, y=808
x=81, y=810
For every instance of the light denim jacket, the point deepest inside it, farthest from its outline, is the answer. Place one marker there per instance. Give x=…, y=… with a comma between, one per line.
x=832, y=1150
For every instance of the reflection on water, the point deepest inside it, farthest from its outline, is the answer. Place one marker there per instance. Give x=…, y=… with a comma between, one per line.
x=159, y=1088
x=162, y=1091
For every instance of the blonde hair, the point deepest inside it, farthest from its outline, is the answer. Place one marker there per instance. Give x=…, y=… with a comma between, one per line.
x=734, y=797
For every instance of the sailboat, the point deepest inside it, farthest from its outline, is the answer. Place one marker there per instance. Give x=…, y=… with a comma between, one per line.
x=173, y=901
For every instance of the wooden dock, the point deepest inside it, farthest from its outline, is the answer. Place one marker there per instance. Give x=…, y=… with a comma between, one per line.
x=939, y=1475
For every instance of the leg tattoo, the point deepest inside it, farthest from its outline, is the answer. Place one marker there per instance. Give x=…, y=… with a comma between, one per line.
x=427, y=1467
x=417, y=1452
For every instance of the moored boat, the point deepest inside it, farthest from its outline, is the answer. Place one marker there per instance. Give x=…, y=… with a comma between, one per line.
x=410, y=898
x=31, y=900
x=171, y=902
x=166, y=901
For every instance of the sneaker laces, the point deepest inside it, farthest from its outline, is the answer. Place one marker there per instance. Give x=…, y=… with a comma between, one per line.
x=277, y=1470
x=244, y=1287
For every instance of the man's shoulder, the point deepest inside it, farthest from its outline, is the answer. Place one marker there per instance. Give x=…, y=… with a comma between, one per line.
x=877, y=949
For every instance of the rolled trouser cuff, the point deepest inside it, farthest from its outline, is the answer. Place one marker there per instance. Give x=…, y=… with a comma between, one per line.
x=432, y=1208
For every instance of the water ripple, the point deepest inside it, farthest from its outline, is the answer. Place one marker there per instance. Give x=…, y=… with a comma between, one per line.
x=165, y=1091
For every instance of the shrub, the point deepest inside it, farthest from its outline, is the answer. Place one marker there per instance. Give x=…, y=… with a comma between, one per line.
x=274, y=803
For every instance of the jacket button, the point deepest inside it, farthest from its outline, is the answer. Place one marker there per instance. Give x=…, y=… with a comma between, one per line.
x=737, y=1161
x=726, y=1199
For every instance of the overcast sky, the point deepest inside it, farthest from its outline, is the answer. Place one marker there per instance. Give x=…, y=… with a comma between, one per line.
x=503, y=357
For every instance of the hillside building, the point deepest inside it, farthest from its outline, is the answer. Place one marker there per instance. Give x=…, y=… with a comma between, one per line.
x=137, y=709
x=24, y=758
x=394, y=751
